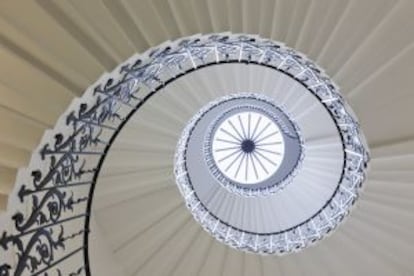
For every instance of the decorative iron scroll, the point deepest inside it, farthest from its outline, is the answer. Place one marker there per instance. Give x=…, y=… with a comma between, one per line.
x=53, y=196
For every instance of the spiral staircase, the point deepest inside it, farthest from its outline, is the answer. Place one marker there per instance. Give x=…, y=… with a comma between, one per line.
x=54, y=51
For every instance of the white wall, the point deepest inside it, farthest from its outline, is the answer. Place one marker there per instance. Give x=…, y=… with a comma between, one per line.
x=102, y=262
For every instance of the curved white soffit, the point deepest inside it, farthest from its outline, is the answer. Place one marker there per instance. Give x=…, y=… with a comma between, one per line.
x=48, y=211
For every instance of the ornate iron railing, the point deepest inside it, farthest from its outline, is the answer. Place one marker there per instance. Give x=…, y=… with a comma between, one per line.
x=50, y=207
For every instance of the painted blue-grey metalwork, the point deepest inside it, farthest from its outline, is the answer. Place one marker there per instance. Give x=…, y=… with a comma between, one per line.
x=51, y=225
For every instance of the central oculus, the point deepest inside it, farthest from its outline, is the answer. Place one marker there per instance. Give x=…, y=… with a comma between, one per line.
x=243, y=142
x=248, y=147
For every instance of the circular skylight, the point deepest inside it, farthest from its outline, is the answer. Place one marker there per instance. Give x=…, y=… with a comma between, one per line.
x=248, y=147
x=242, y=139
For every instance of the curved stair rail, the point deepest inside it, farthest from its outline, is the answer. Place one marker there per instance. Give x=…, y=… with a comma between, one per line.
x=50, y=207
